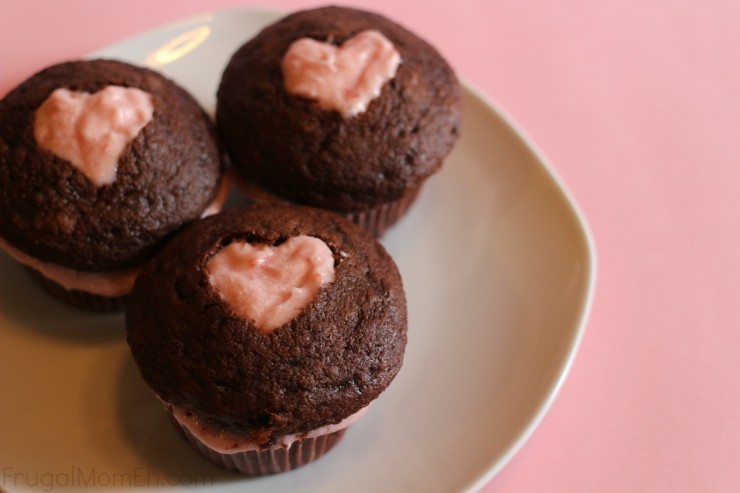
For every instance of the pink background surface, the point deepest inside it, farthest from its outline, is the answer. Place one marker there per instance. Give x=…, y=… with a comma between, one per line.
x=637, y=105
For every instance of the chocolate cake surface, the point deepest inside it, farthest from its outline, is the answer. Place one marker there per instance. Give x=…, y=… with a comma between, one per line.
x=337, y=355
x=289, y=146
x=166, y=176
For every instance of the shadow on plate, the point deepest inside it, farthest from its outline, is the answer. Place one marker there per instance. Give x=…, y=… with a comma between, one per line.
x=24, y=302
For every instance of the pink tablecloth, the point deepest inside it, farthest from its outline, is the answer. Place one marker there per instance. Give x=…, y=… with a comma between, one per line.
x=637, y=105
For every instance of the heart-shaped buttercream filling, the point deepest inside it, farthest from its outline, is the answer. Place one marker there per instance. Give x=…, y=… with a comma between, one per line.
x=270, y=285
x=344, y=78
x=91, y=130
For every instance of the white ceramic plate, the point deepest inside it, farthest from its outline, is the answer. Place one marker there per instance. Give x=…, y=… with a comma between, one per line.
x=499, y=269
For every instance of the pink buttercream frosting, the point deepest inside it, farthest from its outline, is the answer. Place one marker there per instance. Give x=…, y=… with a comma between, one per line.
x=91, y=130
x=271, y=284
x=344, y=78
x=230, y=443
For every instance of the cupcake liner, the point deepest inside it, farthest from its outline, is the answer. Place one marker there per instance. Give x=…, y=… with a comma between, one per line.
x=379, y=219
x=270, y=461
x=79, y=299
x=375, y=221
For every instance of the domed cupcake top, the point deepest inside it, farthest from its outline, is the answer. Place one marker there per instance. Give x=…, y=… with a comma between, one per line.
x=331, y=359
x=297, y=146
x=167, y=167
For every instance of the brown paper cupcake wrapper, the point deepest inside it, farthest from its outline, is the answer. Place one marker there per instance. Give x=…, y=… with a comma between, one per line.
x=264, y=462
x=79, y=299
x=376, y=221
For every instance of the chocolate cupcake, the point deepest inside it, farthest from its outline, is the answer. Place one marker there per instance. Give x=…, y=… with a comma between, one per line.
x=100, y=163
x=340, y=109
x=266, y=330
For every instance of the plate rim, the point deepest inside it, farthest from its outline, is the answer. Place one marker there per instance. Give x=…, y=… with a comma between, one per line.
x=586, y=305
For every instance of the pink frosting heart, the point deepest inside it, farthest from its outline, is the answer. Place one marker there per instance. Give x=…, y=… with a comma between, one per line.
x=91, y=130
x=344, y=78
x=271, y=285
